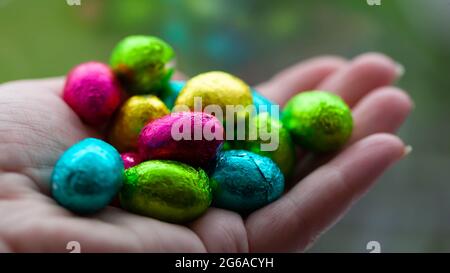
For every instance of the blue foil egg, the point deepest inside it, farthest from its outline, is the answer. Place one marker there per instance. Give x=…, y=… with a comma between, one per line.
x=87, y=176
x=170, y=93
x=244, y=181
x=263, y=104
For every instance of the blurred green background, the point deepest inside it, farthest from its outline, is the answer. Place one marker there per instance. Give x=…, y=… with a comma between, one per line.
x=409, y=209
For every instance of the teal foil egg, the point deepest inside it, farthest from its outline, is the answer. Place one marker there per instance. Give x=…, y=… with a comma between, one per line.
x=170, y=93
x=244, y=181
x=264, y=105
x=87, y=176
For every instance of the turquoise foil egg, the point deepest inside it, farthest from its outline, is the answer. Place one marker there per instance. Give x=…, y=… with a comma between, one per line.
x=170, y=93
x=264, y=105
x=87, y=176
x=244, y=181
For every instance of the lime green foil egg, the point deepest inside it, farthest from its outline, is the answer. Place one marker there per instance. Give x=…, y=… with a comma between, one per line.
x=166, y=190
x=318, y=121
x=269, y=139
x=142, y=64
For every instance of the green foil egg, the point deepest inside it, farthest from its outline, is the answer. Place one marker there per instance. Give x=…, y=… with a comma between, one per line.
x=166, y=190
x=270, y=139
x=318, y=121
x=141, y=64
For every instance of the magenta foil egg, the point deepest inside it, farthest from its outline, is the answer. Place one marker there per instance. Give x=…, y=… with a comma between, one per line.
x=93, y=92
x=194, y=138
x=130, y=159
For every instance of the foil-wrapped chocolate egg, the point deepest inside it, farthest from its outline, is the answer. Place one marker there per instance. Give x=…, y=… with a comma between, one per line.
x=216, y=88
x=228, y=145
x=142, y=64
x=130, y=159
x=270, y=139
x=171, y=92
x=166, y=190
x=134, y=114
x=318, y=121
x=244, y=181
x=87, y=176
x=93, y=92
x=194, y=138
x=263, y=104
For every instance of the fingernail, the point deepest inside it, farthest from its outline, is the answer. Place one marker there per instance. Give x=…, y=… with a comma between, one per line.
x=399, y=70
x=407, y=151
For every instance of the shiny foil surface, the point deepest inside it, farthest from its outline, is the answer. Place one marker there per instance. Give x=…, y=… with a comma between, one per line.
x=166, y=190
x=93, y=92
x=244, y=181
x=142, y=64
x=284, y=155
x=263, y=104
x=87, y=176
x=134, y=114
x=130, y=159
x=156, y=140
x=171, y=92
x=318, y=121
x=216, y=88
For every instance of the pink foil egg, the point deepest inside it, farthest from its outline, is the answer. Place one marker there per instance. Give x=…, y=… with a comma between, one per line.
x=194, y=138
x=93, y=92
x=130, y=159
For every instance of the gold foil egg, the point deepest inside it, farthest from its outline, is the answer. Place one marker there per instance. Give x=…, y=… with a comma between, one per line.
x=135, y=113
x=215, y=88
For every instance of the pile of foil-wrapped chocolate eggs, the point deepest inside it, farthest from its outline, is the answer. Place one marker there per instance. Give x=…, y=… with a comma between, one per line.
x=152, y=157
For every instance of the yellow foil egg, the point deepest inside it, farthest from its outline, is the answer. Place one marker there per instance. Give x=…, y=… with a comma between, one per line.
x=135, y=113
x=215, y=88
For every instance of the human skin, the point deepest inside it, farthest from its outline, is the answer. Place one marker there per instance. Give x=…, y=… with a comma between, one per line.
x=36, y=127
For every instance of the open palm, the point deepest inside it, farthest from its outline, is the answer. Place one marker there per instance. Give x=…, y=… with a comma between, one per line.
x=36, y=126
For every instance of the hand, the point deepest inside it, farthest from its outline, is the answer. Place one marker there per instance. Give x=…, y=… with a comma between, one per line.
x=36, y=126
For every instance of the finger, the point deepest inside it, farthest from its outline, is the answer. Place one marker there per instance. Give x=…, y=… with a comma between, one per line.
x=295, y=220
x=364, y=74
x=55, y=85
x=301, y=77
x=4, y=248
x=92, y=236
x=153, y=235
x=221, y=231
x=383, y=110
